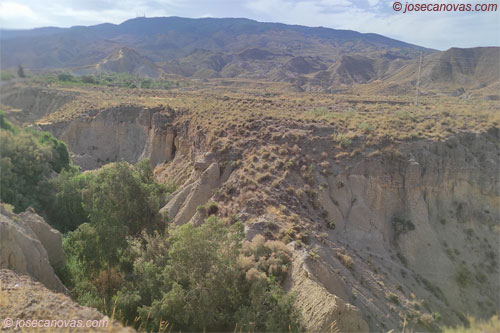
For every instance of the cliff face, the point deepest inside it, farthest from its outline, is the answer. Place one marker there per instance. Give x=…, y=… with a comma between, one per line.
x=32, y=103
x=425, y=221
x=399, y=235
x=126, y=133
x=404, y=237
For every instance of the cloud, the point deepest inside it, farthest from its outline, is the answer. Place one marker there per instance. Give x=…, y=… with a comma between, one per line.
x=435, y=30
x=18, y=14
x=13, y=14
x=12, y=9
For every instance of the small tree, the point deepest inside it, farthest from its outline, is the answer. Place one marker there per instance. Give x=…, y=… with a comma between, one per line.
x=65, y=77
x=20, y=71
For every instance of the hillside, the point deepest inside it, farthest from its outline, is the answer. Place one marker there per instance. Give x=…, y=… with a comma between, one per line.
x=455, y=71
x=310, y=59
x=364, y=191
x=170, y=38
x=124, y=60
x=224, y=175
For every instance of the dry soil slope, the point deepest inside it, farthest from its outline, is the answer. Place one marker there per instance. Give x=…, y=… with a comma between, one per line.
x=454, y=71
x=124, y=60
x=21, y=298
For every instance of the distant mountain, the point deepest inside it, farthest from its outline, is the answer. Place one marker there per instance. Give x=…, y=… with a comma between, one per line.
x=456, y=71
x=319, y=59
x=311, y=73
x=166, y=39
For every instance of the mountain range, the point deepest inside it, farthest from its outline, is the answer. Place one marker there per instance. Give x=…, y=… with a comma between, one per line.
x=318, y=59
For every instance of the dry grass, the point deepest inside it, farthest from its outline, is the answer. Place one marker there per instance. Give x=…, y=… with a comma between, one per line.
x=233, y=109
x=346, y=260
x=489, y=326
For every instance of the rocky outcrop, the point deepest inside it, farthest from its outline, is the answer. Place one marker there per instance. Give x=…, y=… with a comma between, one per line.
x=28, y=245
x=50, y=238
x=22, y=299
x=323, y=310
x=197, y=190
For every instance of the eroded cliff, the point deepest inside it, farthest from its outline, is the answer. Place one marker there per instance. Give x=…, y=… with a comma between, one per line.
x=386, y=236
x=125, y=133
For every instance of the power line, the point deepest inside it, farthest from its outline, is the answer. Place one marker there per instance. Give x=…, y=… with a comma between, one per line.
x=417, y=94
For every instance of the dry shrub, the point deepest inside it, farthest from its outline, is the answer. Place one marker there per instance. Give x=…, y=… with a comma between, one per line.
x=109, y=281
x=271, y=257
x=253, y=275
x=245, y=262
x=346, y=260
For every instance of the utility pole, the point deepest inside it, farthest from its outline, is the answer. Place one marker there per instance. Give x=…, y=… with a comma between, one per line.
x=417, y=93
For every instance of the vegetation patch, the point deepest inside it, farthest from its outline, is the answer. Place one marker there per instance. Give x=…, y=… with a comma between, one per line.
x=342, y=139
x=122, y=257
x=392, y=297
x=401, y=226
x=195, y=278
x=29, y=158
x=487, y=326
x=346, y=260
x=463, y=276
x=121, y=80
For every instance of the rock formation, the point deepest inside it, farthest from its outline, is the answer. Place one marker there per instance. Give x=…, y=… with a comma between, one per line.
x=324, y=310
x=30, y=246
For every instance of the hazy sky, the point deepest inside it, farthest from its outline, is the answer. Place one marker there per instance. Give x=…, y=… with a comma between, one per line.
x=435, y=30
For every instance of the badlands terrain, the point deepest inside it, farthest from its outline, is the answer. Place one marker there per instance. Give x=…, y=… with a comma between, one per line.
x=384, y=214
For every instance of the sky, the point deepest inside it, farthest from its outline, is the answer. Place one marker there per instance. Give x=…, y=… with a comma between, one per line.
x=438, y=30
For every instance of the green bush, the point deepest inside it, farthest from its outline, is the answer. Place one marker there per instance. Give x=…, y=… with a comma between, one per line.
x=193, y=278
x=209, y=281
x=5, y=124
x=65, y=77
x=401, y=226
x=28, y=160
x=366, y=127
x=463, y=276
x=5, y=76
x=66, y=211
x=61, y=157
x=342, y=139
x=147, y=84
x=392, y=297
x=88, y=79
x=124, y=80
x=331, y=224
x=118, y=201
